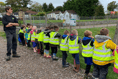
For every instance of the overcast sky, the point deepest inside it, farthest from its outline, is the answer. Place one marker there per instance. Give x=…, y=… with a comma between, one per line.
x=60, y=2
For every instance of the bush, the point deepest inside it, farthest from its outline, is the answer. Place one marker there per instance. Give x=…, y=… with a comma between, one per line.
x=40, y=13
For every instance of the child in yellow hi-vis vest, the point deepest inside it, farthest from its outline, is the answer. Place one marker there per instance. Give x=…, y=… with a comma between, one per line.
x=54, y=42
x=33, y=36
x=87, y=52
x=102, y=54
x=73, y=43
x=64, y=48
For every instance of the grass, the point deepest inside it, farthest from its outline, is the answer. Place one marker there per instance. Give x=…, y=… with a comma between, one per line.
x=0, y=22
x=95, y=31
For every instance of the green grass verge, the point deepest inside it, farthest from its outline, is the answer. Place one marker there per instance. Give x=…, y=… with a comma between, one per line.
x=3, y=34
x=95, y=31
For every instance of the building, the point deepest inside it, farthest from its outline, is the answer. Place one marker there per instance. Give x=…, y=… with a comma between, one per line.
x=58, y=15
x=26, y=14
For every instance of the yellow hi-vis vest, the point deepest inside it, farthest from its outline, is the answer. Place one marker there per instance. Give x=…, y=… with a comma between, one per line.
x=116, y=60
x=40, y=36
x=29, y=36
x=87, y=50
x=33, y=36
x=53, y=40
x=73, y=46
x=45, y=39
x=102, y=53
x=64, y=44
x=21, y=31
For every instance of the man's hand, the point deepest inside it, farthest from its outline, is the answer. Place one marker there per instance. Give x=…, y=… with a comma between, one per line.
x=9, y=25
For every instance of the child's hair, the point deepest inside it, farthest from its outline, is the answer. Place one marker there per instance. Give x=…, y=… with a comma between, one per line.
x=74, y=32
x=66, y=32
x=34, y=27
x=87, y=33
x=41, y=28
x=28, y=24
x=104, y=31
x=56, y=27
x=23, y=25
x=51, y=27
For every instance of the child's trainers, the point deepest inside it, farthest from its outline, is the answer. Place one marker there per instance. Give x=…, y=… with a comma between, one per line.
x=55, y=58
x=34, y=50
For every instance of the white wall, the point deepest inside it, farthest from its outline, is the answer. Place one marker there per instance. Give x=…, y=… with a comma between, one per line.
x=0, y=15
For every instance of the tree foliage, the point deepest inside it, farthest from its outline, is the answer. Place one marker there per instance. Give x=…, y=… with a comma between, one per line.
x=50, y=7
x=81, y=7
x=112, y=5
x=37, y=7
x=99, y=11
x=18, y=4
x=40, y=14
x=2, y=7
x=59, y=8
x=45, y=7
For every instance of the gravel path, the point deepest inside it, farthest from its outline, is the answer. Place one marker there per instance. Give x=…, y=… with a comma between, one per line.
x=32, y=66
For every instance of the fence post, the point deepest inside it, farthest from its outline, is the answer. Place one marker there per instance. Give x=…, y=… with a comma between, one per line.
x=23, y=20
x=33, y=20
x=30, y=19
x=93, y=21
x=46, y=20
x=115, y=40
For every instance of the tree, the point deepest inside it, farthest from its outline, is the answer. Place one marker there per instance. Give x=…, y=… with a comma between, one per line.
x=45, y=7
x=112, y=5
x=2, y=7
x=82, y=7
x=59, y=8
x=37, y=7
x=99, y=11
x=18, y=4
x=50, y=7
x=40, y=13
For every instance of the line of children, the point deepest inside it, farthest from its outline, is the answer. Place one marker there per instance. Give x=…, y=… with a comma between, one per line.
x=98, y=52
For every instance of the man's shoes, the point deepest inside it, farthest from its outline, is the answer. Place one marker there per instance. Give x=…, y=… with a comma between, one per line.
x=15, y=56
x=8, y=58
x=64, y=66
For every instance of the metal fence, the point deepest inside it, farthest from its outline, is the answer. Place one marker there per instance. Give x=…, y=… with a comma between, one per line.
x=84, y=22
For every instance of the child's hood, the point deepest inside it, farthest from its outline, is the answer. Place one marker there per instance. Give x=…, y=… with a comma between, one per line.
x=100, y=40
x=86, y=40
x=64, y=36
x=73, y=37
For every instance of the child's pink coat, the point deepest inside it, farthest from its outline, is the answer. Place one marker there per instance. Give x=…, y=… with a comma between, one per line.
x=114, y=69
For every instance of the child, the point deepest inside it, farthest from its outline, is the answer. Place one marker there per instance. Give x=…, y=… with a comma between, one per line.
x=29, y=35
x=73, y=43
x=115, y=53
x=33, y=36
x=64, y=48
x=21, y=34
x=102, y=54
x=40, y=40
x=46, y=42
x=26, y=34
x=87, y=52
x=54, y=42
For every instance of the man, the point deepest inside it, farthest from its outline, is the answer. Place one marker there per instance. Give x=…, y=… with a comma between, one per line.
x=10, y=22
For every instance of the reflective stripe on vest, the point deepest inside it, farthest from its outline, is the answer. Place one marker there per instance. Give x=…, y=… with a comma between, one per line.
x=64, y=45
x=102, y=53
x=33, y=36
x=116, y=59
x=73, y=46
x=54, y=41
x=46, y=39
x=87, y=50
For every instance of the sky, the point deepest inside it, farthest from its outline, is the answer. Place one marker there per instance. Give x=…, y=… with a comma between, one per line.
x=60, y=2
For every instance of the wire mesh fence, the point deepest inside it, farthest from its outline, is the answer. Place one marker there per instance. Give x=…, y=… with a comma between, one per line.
x=84, y=22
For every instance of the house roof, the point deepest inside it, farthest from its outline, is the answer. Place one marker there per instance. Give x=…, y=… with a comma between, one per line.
x=71, y=11
x=31, y=12
x=27, y=12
